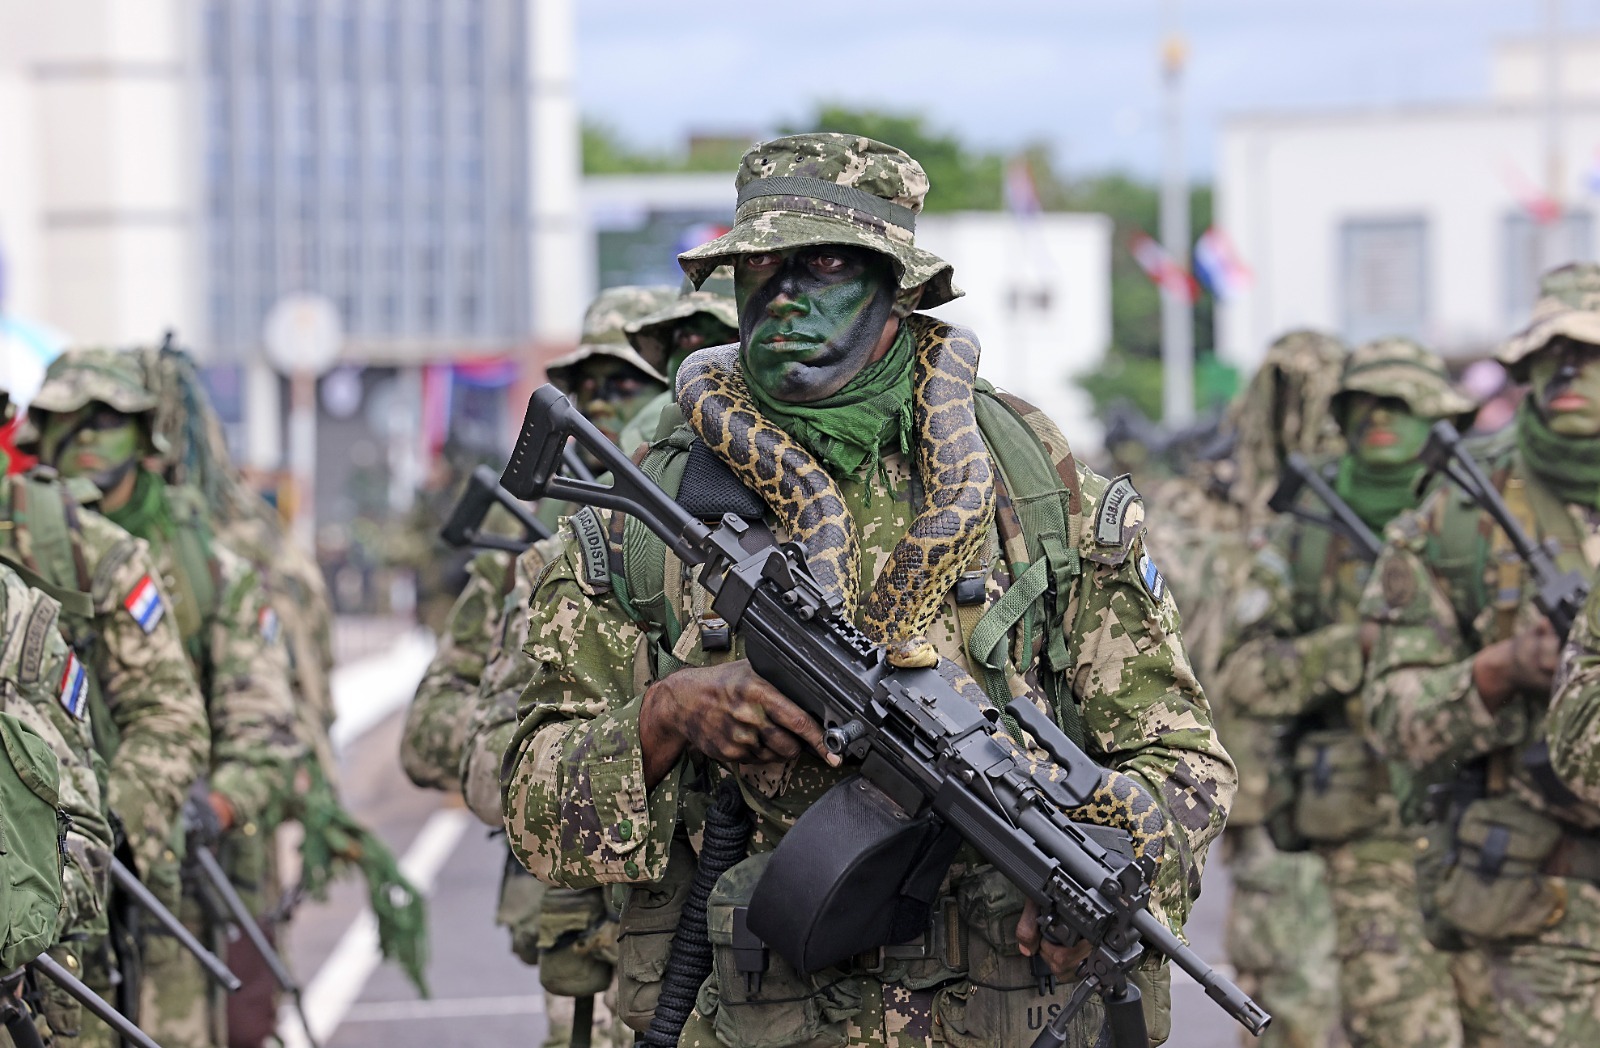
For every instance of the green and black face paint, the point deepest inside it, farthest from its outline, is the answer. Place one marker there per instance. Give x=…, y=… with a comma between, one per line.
x=95, y=441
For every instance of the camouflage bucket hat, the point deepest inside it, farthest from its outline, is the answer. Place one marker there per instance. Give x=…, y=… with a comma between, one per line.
x=1399, y=367
x=827, y=188
x=604, y=331
x=652, y=335
x=84, y=376
x=1569, y=305
x=1286, y=407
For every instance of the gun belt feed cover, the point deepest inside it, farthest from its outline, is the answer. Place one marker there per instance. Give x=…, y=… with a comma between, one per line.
x=854, y=873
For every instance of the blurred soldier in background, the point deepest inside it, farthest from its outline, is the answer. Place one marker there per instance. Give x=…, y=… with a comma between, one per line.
x=707, y=317
x=462, y=716
x=1461, y=676
x=1293, y=660
x=94, y=418
x=1206, y=528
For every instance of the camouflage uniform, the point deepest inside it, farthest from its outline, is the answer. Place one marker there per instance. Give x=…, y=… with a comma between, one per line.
x=652, y=337
x=1293, y=659
x=576, y=808
x=231, y=634
x=1517, y=878
x=1205, y=529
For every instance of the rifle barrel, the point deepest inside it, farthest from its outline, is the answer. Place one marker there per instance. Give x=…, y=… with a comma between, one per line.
x=96, y=1004
x=147, y=901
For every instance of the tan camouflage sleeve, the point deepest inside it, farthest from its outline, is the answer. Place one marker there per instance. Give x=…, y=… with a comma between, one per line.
x=148, y=687
x=574, y=801
x=1145, y=714
x=1573, y=726
x=1420, y=702
x=434, y=738
x=254, y=742
x=1270, y=668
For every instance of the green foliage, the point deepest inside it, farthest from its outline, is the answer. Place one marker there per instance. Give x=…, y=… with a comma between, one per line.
x=605, y=153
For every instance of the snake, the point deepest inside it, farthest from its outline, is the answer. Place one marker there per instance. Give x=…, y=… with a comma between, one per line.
x=958, y=480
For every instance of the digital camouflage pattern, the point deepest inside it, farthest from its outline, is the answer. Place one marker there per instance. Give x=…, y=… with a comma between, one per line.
x=793, y=210
x=605, y=325
x=1568, y=305
x=1206, y=529
x=1399, y=367
x=1574, y=723
x=652, y=336
x=1446, y=586
x=577, y=812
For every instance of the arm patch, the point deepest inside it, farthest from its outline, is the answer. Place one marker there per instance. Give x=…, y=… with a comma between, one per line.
x=1118, y=522
x=593, y=552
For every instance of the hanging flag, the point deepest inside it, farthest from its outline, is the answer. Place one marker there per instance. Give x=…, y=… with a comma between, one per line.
x=1161, y=268
x=1218, y=265
x=1540, y=206
x=696, y=234
x=1021, y=191
x=438, y=392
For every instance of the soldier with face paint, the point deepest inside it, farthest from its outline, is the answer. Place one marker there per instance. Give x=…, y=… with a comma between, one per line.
x=1460, y=682
x=1293, y=660
x=639, y=708
x=694, y=320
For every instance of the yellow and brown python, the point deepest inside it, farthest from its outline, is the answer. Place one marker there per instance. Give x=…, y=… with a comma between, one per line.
x=958, y=481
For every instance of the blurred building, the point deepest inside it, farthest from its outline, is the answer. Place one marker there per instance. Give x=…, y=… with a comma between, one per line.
x=1425, y=220
x=1038, y=287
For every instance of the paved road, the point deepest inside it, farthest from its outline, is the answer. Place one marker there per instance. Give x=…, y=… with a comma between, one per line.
x=482, y=996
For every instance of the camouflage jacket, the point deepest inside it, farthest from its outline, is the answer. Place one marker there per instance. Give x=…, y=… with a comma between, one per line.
x=47, y=688
x=1573, y=725
x=156, y=737
x=1447, y=586
x=576, y=809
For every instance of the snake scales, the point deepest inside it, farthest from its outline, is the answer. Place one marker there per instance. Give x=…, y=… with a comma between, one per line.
x=959, y=484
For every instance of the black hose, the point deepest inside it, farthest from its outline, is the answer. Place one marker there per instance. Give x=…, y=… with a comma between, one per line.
x=727, y=836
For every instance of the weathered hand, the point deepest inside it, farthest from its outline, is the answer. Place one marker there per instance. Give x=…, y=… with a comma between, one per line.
x=1523, y=663
x=1063, y=960
x=729, y=714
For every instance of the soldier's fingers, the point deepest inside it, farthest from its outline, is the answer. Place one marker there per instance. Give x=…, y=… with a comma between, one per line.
x=781, y=742
x=797, y=721
x=1028, y=935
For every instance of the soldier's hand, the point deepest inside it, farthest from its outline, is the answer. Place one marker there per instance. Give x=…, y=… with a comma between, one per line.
x=1063, y=960
x=1523, y=663
x=729, y=714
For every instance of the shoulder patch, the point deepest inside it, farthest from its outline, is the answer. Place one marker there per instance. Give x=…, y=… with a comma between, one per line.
x=74, y=694
x=1152, y=578
x=593, y=552
x=269, y=625
x=1115, y=506
x=36, y=635
x=144, y=604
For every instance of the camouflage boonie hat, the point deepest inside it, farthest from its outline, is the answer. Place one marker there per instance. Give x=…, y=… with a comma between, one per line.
x=84, y=376
x=652, y=335
x=1399, y=367
x=604, y=324
x=827, y=188
x=1569, y=305
x=1286, y=407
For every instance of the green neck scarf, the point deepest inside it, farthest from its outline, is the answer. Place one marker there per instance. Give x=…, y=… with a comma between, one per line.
x=872, y=412
x=147, y=513
x=1377, y=493
x=1568, y=466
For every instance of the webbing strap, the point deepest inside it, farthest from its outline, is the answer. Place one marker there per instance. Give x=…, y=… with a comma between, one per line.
x=985, y=645
x=73, y=602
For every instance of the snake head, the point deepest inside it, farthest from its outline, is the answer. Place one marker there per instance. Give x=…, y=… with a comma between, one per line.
x=914, y=653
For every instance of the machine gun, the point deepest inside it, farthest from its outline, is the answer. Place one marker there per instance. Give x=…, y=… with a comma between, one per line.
x=925, y=750
x=221, y=899
x=1559, y=594
x=19, y=1022
x=1300, y=475
x=483, y=492
x=130, y=884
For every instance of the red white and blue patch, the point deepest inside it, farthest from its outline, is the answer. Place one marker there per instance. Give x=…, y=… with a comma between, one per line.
x=75, y=688
x=269, y=625
x=144, y=604
x=1152, y=577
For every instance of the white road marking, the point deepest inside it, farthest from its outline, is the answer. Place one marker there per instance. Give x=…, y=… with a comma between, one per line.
x=450, y=1008
x=334, y=989
x=368, y=690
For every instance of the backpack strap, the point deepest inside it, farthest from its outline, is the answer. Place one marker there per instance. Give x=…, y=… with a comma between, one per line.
x=639, y=558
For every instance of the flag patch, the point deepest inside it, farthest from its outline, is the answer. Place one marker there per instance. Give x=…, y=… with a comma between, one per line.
x=75, y=688
x=1153, y=581
x=268, y=622
x=144, y=604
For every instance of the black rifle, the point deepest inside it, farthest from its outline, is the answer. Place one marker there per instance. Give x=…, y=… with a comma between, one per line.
x=1298, y=475
x=482, y=493
x=47, y=966
x=219, y=894
x=135, y=889
x=926, y=750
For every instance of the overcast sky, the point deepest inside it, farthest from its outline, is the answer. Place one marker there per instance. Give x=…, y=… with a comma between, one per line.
x=1080, y=74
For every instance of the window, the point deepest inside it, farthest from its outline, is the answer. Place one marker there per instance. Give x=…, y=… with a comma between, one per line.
x=1385, y=277
x=1532, y=247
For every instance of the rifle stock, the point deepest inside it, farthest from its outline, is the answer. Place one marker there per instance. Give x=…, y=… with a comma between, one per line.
x=1300, y=475
x=916, y=738
x=482, y=493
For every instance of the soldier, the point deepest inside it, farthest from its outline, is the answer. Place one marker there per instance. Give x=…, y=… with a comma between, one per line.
x=1294, y=661
x=630, y=719
x=1205, y=528
x=696, y=318
x=1460, y=680
x=93, y=418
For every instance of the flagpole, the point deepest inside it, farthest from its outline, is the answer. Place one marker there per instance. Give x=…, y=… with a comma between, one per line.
x=1177, y=320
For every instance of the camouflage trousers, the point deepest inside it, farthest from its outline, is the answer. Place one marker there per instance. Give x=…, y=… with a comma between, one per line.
x=1395, y=989
x=606, y=1032
x=1280, y=939
x=1548, y=987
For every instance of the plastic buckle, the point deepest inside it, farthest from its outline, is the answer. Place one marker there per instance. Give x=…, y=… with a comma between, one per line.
x=970, y=588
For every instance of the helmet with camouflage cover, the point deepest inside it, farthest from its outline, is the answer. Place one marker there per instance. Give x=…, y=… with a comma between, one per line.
x=1568, y=306
x=652, y=335
x=829, y=188
x=604, y=324
x=1286, y=408
x=1401, y=368
x=84, y=376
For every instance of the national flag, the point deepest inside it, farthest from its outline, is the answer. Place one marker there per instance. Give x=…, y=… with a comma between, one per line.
x=1167, y=274
x=1540, y=206
x=267, y=620
x=1021, y=191
x=144, y=604
x=75, y=688
x=1219, y=266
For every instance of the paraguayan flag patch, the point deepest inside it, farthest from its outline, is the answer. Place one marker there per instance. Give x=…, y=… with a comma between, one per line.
x=75, y=688
x=268, y=622
x=1153, y=581
x=144, y=604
